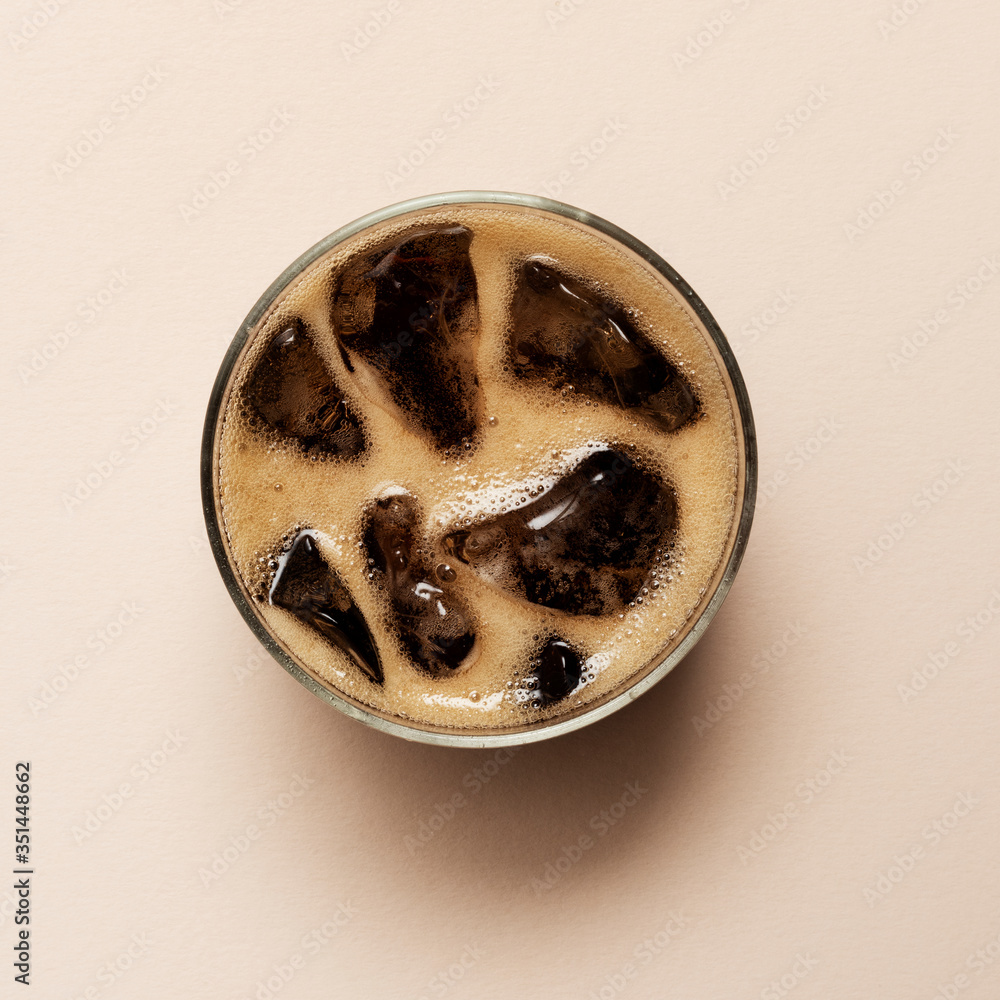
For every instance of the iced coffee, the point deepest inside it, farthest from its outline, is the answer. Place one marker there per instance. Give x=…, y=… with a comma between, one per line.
x=478, y=467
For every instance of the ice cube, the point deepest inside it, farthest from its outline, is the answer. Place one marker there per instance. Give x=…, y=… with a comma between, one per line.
x=585, y=546
x=432, y=626
x=292, y=391
x=567, y=333
x=410, y=313
x=556, y=672
x=308, y=588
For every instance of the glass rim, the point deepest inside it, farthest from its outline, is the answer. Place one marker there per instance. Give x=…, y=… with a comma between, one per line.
x=532, y=732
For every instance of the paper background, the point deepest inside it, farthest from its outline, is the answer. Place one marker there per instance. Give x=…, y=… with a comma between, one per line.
x=825, y=639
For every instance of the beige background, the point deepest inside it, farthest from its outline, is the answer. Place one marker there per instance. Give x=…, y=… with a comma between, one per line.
x=880, y=877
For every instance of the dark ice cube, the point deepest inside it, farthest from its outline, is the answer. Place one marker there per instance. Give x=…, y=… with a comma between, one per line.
x=585, y=546
x=411, y=313
x=556, y=672
x=571, y=334
x=432, y=627
x=291, y=390
x=307, y=587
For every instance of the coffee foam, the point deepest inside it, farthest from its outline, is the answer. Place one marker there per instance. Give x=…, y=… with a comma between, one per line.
x=531, y=436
